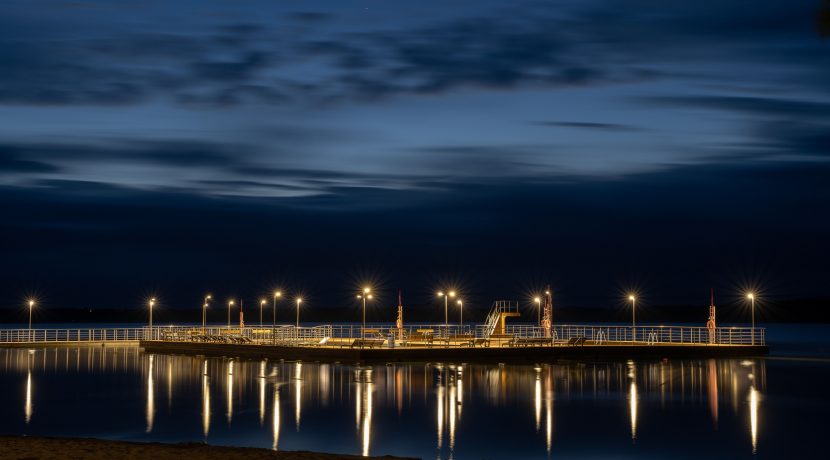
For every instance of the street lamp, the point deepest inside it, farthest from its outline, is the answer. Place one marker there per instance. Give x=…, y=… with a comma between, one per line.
x=751, y=298
x=446, y=308
x=152, y=302
x=633, y=318
x=299, y=301
x=204, y=311
x=274, y=309
x=461, y=314
x=230, y=304
x=367, y=294
x=538, y=309
x=31, y=305
x=261, y=304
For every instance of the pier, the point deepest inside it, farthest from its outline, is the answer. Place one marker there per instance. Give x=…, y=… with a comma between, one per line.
x=419, y=342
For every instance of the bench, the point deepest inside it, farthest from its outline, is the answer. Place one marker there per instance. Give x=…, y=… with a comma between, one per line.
x=576, y=341
x=372, y=333
x=531, y=341
x=367, y=343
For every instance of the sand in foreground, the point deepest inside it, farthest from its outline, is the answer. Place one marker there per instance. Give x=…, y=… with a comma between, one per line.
x=20, y=448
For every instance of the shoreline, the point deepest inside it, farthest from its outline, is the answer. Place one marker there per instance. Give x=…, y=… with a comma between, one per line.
x=36, y=447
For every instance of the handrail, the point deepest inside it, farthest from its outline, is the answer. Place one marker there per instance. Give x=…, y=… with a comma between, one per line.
x=416, y=333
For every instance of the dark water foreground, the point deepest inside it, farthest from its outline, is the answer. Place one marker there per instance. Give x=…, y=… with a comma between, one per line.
x=717, y=408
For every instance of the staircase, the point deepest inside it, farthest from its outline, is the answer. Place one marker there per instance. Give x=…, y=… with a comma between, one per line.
x=501, y=310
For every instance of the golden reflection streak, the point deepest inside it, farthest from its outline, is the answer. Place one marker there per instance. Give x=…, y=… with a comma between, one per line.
x=229, y=413
x=358, y=407
x=276, y=417
x=548, y=414
x=632, y=398
x=439, y=394
x=28, y=407
x=262, y=392
x=632, y=403
x=537, y=399
x=451, y=406
x=298, y=388
x=712, y=388
x=753, y=417
x=151, y=404
x=460, y=389
x=169, y=383
x=205, y=401
x=367, y=412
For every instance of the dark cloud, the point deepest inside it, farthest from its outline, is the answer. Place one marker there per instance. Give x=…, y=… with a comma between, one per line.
x=544, y=47
x=13, y=160
x=588, y=125
x=755, y=105
x=311, y=16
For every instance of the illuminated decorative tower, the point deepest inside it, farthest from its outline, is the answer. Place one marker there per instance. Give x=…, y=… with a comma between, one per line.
x=399, y=319
x=711, y=324
x=547, y=311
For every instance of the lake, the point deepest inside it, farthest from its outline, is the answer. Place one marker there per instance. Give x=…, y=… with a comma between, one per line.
x=772, y=407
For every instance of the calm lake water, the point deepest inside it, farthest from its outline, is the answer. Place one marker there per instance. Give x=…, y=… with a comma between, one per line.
x=776, y=407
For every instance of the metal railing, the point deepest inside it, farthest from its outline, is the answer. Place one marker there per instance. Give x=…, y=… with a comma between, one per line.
x=385, y=334
x=77, y=335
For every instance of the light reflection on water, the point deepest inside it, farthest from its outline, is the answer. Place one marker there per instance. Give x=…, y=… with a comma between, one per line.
x=508, y=411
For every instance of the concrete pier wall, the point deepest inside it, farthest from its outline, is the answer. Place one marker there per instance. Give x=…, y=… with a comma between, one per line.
x=467, y=355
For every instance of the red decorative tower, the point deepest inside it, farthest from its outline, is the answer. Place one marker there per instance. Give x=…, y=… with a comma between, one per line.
x=547, y=311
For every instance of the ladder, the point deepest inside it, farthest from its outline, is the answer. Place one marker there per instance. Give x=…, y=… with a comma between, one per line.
x=497, y=312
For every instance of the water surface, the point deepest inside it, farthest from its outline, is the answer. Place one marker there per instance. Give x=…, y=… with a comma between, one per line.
x=765, y=408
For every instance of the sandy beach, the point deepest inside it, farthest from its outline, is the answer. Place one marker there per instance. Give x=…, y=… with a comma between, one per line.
x=31, y=448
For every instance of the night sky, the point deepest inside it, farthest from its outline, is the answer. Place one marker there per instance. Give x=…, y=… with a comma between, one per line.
x=177, y=148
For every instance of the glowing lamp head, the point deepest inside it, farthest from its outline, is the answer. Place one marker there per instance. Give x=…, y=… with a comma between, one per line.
x=440, y=294
x=459, y=302
x=262, y=302
x=750, y=296
x=31, y=303
x=208, y=297
x=230, y=303
x=632, y=298
x=366, y=290
x=369, y=296
x=152, y=302
x=277, y=294
x=299, y=300
x=452, y=293
x=537, y=300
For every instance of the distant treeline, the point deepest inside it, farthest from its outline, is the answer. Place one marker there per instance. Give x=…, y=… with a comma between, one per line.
x=796, y=311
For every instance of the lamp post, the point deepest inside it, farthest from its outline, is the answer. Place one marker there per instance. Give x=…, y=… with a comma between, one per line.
x=367, y=294
x=299, y=301
x=152, y=302
x=261, y=304
x=461, y=314
x=446, y=302
x=31, y=306
x=274, y=309
x=751, y=298
x=538, y=309
x=633, y=318
x=204, y=311
x=230, y=304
